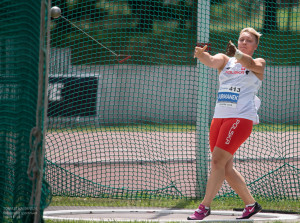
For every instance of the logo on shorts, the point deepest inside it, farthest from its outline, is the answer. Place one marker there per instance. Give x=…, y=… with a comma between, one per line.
x=231, y=132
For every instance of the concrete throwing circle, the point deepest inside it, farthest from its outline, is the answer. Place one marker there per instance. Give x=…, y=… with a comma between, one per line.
x=158, y=215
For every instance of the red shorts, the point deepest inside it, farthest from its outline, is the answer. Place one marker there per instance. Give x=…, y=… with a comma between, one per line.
x=229, y=133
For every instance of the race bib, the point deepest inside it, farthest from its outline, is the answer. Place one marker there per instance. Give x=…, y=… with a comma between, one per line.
x=228, y=96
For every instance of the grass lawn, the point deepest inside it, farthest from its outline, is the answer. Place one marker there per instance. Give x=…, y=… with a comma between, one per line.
x=263, y=127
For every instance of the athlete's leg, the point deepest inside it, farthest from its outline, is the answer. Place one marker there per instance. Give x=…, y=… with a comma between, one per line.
x=220, y=158
x=232, y=133
x=214, y=132
x=237, y=183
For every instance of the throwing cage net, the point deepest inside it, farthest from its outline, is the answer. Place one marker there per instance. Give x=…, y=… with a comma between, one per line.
x=139, y=129
x=23, y=189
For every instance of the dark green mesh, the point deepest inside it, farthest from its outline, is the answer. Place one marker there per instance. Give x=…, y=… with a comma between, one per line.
x=19, y=59
x=139, y=129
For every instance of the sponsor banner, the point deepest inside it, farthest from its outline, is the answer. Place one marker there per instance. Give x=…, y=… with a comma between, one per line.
x=72, y=96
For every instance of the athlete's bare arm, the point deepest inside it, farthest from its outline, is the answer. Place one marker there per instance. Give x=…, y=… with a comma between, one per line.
x=257, y=66
x=217, y=61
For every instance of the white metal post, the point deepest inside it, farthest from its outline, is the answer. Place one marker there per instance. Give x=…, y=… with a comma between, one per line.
x=202, y=129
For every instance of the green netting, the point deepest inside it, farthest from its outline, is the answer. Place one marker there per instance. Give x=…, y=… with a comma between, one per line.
x=19, y=60
x=139, y=129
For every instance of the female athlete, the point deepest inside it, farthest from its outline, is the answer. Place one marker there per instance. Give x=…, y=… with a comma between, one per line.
x=240, y=77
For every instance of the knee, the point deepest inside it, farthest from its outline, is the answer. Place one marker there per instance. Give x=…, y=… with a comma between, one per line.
x=220, y=158
x=218, y=163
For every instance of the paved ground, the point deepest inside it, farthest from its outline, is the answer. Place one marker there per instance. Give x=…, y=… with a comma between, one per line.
x=155, y=214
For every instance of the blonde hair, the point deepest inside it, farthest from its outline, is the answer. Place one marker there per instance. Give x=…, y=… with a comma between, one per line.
x=252, y=31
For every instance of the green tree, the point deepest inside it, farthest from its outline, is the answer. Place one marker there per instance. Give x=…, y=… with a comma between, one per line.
x=146, y=11
x=289, y=4
x=150, y=10
x=270, y=19
x=87, y=8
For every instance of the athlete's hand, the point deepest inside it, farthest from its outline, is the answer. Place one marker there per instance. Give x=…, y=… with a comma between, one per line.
x=230, y=49
x=199, y=51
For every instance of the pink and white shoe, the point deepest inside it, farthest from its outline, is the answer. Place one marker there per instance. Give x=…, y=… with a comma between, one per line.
x=250, y=211
x=200, y=213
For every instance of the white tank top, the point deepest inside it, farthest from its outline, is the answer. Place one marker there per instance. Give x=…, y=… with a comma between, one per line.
x=237, y=93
